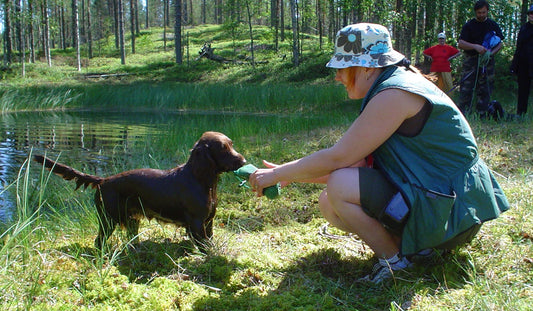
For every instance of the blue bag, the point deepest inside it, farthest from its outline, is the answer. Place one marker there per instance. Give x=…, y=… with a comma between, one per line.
x=491, y=40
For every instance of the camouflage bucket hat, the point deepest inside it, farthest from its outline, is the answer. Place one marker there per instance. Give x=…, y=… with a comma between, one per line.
x=364, y=45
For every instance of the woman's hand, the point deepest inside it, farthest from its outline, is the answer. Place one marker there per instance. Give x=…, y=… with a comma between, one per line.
x=262, y=178
x=272, y=165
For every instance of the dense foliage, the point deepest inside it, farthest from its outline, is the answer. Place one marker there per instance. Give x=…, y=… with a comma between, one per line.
x=32, y=30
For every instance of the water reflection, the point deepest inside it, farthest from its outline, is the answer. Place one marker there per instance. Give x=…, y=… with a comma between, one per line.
x=85, y=136
x=104, y=142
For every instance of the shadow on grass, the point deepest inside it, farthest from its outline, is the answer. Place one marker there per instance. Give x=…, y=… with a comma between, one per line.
x=325, y=281
x=148, y=259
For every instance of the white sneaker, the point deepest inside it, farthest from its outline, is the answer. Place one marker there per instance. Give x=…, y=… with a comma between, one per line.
x=384, y=269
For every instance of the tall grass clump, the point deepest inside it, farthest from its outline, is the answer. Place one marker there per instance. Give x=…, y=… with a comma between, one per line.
x=274, y=98
x=213, y=97
x=37, y=98
x=20, y=243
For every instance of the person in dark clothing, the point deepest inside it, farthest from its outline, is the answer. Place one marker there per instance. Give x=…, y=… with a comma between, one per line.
x=522, y=64
x=478, y=66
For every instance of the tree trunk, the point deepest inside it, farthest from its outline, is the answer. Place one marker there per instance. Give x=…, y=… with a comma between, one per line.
x=165, y=25
x=251, y=32
x=31, y=32
x=89, y=32
x=332, y=27
x=136, y=10
x=76, y=33
x=46, y=33
x=218, y=11
x=274, y=16
x=22, y=39
x=282, y=21
x=146, y=25
x=167, y=3
x=122, y=43
x=184, y=13
x=81, y=21
x=295, y=48
x=177, y=31
x=60, y=27
x=18, y=25
x=204, y=11
x=8, y=45
x=319, y=23
x=430, y=17
x=397, y=26
x=132, y=25
x=190, y=14
x=116, y=24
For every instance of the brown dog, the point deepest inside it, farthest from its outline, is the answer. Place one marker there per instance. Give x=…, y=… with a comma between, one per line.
x=185, y=195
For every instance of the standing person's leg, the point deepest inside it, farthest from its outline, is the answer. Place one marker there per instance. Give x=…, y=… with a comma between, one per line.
x=485, y=86
x=468, y=83
x=441, y=82
x=447, y=82
x=524, y=84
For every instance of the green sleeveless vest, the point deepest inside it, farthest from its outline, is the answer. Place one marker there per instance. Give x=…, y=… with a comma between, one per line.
x=447, y=186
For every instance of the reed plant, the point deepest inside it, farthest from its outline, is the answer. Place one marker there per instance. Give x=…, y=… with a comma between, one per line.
x=174, y=96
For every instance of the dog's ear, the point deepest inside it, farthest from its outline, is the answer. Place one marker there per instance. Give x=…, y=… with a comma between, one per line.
x=201, y=160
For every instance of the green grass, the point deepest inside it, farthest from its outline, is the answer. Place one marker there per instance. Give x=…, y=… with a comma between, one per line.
x=248, y=98
x=267, y=255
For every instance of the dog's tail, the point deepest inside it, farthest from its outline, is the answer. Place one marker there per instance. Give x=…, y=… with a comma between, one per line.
x=68, y=173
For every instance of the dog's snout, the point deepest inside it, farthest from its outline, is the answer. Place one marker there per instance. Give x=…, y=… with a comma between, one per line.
x=239, y=161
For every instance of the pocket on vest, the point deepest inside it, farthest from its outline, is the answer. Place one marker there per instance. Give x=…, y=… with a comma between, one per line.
x=429, y=222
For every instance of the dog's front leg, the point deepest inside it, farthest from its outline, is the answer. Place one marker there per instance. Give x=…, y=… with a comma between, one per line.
x=197, y=233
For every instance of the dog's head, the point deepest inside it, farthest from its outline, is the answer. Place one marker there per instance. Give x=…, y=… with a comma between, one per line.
x=214, y=151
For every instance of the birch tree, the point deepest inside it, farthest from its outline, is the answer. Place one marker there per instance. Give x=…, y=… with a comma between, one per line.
x=76, y=33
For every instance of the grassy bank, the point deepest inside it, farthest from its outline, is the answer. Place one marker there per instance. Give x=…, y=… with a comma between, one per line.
x=249, y=98
x=267, y=255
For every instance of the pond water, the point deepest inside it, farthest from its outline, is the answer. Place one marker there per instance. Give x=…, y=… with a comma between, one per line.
x=92, y=141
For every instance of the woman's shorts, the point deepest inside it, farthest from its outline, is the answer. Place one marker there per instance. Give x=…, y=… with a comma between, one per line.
x=375, y=190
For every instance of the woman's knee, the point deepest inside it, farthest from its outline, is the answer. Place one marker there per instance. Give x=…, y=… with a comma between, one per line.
x=329, y=213
x=343, y=185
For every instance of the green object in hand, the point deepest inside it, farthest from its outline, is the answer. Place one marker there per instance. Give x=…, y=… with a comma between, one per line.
x=244, y=173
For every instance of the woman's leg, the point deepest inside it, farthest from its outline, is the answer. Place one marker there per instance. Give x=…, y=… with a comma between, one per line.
x=340, y=205
x=329, y=214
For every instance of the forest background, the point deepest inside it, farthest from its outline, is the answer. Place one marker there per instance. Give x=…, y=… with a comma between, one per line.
x=32, y=29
